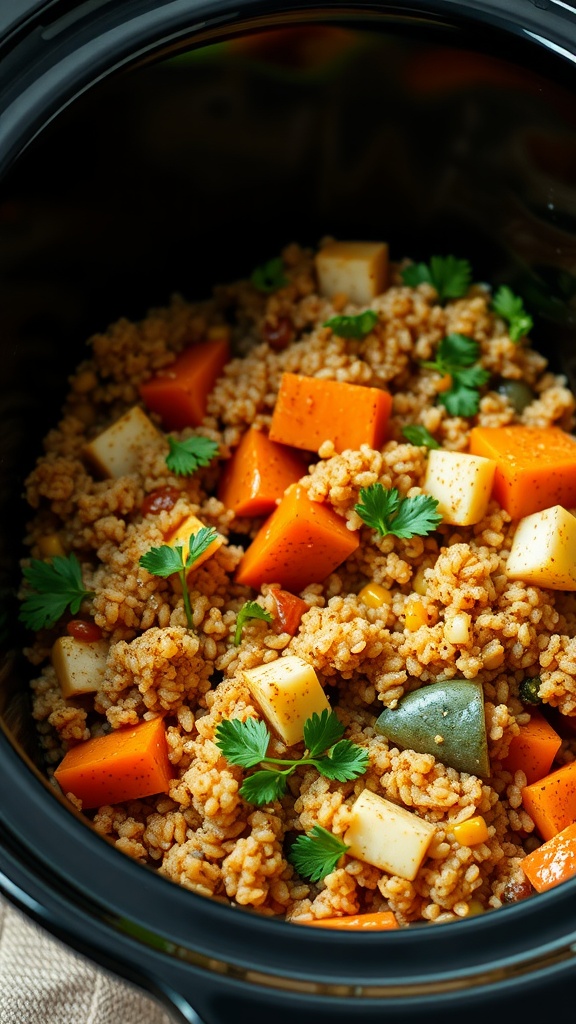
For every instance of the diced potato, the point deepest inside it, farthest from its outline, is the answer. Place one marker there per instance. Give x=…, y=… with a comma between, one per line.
x=79, y=666
x=182, y=535
x=116, y=451
x=358, y=270
x=544, y=550
x=387, y=836
x=288, y=692
x=461, y=484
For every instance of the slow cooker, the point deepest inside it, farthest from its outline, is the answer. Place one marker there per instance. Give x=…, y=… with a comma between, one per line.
x=158, y=146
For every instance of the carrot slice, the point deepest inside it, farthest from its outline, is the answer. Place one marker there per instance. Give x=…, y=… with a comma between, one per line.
x=302, y=542
x=257, y=475
x=179, y=393
x=553, y=862
x=533, y=749
x=126, y=764
x=379, y=921
x=310, y=410
x=551, y=801
x=535, y=466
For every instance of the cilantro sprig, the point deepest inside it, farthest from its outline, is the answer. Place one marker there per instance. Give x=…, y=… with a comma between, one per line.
x=269, y=276
x=316, y=854
x=58, y=586
x=353, y=326
x=168, y=560
x=456, y=357
x=417, y=434
x=385, y=511
x=185, y=457
x=511, y=308
x=449, y=276
x=249, y=610
x=245, y=744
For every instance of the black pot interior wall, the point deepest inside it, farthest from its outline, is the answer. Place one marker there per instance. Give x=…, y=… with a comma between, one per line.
x=174, y=176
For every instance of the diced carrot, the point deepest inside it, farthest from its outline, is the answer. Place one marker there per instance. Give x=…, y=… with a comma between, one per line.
x=533, y=749
x=179, y=393
x=302, y=542
x=126, y=764
x=379, y=921
x=310, y=410
x=551, y=801
x=535, y=466
x=553, y=862
x=258, y=473
x=289, y=611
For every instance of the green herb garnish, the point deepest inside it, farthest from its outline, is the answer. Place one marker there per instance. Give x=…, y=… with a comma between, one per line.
x=528, y=690
x=250, y=610
x=456, y=356
x=167, y=560
x=185, y=457
x=315, y=855
x=58, y=585
x=270, y=276
x=385, y=511
x=511, y=308
x=419, y=435
x=353, y=326
x=450, y=277
x=246, y=743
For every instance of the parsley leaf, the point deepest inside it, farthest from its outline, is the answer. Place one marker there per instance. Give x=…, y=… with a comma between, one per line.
x=353, y=326
x=419, y=435
x=455, y=357
x=249, y=610
x=185, y=457
x=450, y=277
x=315, y=855
x=166, y=560
x=511, y=308
x=270, y=276
x=58, y=585
x=388, y=513
x=246, y=746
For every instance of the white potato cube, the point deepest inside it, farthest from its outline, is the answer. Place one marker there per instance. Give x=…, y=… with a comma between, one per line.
x=358, y=270
x=461, y=484
x=387, y=836
x=116, y=451
x=182, y=535
x=79, y=666
x=544, y=550
x=288, y=692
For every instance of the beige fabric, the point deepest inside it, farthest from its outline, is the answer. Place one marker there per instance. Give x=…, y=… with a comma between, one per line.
x=41, y=980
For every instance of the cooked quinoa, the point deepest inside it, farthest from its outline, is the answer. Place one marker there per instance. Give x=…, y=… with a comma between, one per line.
x=203, y=834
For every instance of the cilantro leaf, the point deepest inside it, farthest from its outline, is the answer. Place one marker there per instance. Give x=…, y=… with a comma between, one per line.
x=344, y=761
x=167, y=559
x=243, y=743
x=249, y=610
x=460, y=400
x=456, y=357
x=511, y=308
x=353, y=326
x=270, y=276
x=316, y=855
x=388, y=513
x=321, y=731
x=449, y=276
x=419, y=435
x=163, y=561
x=455, y=350
x=264, y=787
x=185, y=457
x=58, y=585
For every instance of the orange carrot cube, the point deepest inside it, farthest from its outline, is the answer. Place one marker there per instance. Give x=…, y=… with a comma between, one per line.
x=553, y=862
x=551, y=801
x=533, y=749
x=257, y=475
x=179, y=393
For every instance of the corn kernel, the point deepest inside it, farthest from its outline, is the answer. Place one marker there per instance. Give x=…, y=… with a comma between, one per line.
x=471, y=832
x=50, y=545
x=475, y=907
x=457, y=628
x=374, y=595
x=415, y=614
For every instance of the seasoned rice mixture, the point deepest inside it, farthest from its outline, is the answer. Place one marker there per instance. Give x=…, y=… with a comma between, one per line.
x=397, y=615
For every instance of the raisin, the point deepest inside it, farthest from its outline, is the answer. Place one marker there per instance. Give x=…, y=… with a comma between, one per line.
x=161, y=500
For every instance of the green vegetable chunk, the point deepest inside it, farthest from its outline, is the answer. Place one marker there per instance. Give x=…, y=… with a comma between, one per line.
x=444, y=719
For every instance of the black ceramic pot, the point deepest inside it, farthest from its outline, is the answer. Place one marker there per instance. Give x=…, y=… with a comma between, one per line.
x=152, y=147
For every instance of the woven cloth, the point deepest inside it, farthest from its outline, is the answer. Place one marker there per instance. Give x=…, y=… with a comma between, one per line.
x=44, y=982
